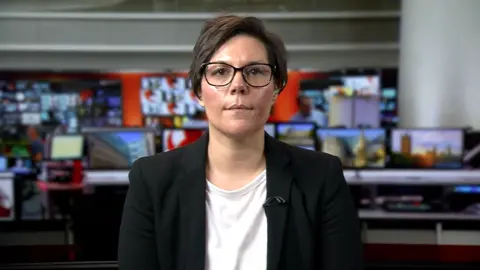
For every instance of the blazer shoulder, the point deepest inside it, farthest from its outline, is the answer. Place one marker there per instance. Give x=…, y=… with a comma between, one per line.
x=314, y=170
x=309, y=158
x=158, y=167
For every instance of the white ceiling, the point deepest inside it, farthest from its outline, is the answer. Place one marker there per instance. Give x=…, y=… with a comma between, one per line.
x=54, y=5
x=195, y=5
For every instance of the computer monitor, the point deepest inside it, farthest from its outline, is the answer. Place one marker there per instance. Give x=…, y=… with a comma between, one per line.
x=356, y=148
x=297, y=134
x=67, y=147
x=20, y=166
x=175, y=138
x=6, y=200
x=117, y=149
x=427, y=148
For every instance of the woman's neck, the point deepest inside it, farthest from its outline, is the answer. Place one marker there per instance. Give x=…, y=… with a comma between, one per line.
x=227, y=156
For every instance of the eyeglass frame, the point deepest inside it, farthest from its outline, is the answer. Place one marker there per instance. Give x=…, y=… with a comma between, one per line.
x=235, y=70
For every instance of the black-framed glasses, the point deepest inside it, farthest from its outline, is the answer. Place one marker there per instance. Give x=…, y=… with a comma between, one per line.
x=222, y=74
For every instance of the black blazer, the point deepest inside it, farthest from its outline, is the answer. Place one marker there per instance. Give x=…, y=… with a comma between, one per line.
x=163, y=225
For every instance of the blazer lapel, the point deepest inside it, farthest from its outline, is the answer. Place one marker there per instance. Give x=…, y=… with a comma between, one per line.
x=192, y=205
x=279, y=183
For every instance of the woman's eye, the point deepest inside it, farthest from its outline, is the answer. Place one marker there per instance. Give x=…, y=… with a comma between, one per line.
x=255, y=71
x=219, y=71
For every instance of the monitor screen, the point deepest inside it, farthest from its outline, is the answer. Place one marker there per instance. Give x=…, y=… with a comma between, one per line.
x=356, y=148
x=389, y=107
x=297, y=134
x=83, y=103
x=20, y=101
x=3, y=164
x=427, y=148
x=319, y=98
x=15, y=148
x=158, y=122
x=270, y=129
x=471, y=159
x=67, y=147
x=353, y=100
x=367, y=112
x=71, y=102
x=354, y=112
x=189, y=122
x=389, y=97
x=175, y=138
x=118, y=149
x=362, y=85
x=313, y=102
x=308, y=147
x=168, y=96
x=20, y=165
x=6, y=200
x=334, y=102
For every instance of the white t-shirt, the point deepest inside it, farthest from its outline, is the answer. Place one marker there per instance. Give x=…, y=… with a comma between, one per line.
x=237, y=227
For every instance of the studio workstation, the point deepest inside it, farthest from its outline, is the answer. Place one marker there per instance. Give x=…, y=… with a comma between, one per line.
x=75, y=118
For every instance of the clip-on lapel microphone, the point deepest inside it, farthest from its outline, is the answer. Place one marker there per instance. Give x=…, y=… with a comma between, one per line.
x=275, y=200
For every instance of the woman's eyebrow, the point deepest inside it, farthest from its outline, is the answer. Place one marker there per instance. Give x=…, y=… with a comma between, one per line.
x=248, y=63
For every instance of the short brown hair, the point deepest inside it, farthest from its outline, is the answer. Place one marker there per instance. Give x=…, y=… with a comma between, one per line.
x=219, y=30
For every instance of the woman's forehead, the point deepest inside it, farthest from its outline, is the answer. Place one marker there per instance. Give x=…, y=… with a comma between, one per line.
x=240, y=51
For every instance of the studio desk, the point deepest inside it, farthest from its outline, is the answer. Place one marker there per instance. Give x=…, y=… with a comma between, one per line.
x=389, y=236
x=393, y=235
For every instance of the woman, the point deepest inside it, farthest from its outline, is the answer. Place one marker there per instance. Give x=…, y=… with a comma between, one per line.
x=237, y=199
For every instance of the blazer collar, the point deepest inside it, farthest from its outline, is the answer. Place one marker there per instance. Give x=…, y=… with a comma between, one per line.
x=192, y=200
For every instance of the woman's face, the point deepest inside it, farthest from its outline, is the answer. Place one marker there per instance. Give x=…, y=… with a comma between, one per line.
x=239, y=51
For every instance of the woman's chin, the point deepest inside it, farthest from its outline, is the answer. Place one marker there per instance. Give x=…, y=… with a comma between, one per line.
x=240, y=129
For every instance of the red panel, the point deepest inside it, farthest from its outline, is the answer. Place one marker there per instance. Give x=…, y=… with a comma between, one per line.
x=374, y=253
x=421, y=253
x=35, y=254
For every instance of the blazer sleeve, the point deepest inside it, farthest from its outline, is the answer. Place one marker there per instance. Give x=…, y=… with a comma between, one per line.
x=137, y=247
x=341, y=243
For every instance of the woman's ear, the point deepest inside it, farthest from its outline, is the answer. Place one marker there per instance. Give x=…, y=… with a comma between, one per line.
x=199, y=97
x=275, y=95
x=277, y=90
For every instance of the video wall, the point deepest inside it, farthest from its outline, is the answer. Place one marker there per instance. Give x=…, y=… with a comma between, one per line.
x=40, y=99
x=149, y=98
x=352, y=114
x=366, y=98
x=348, y=108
